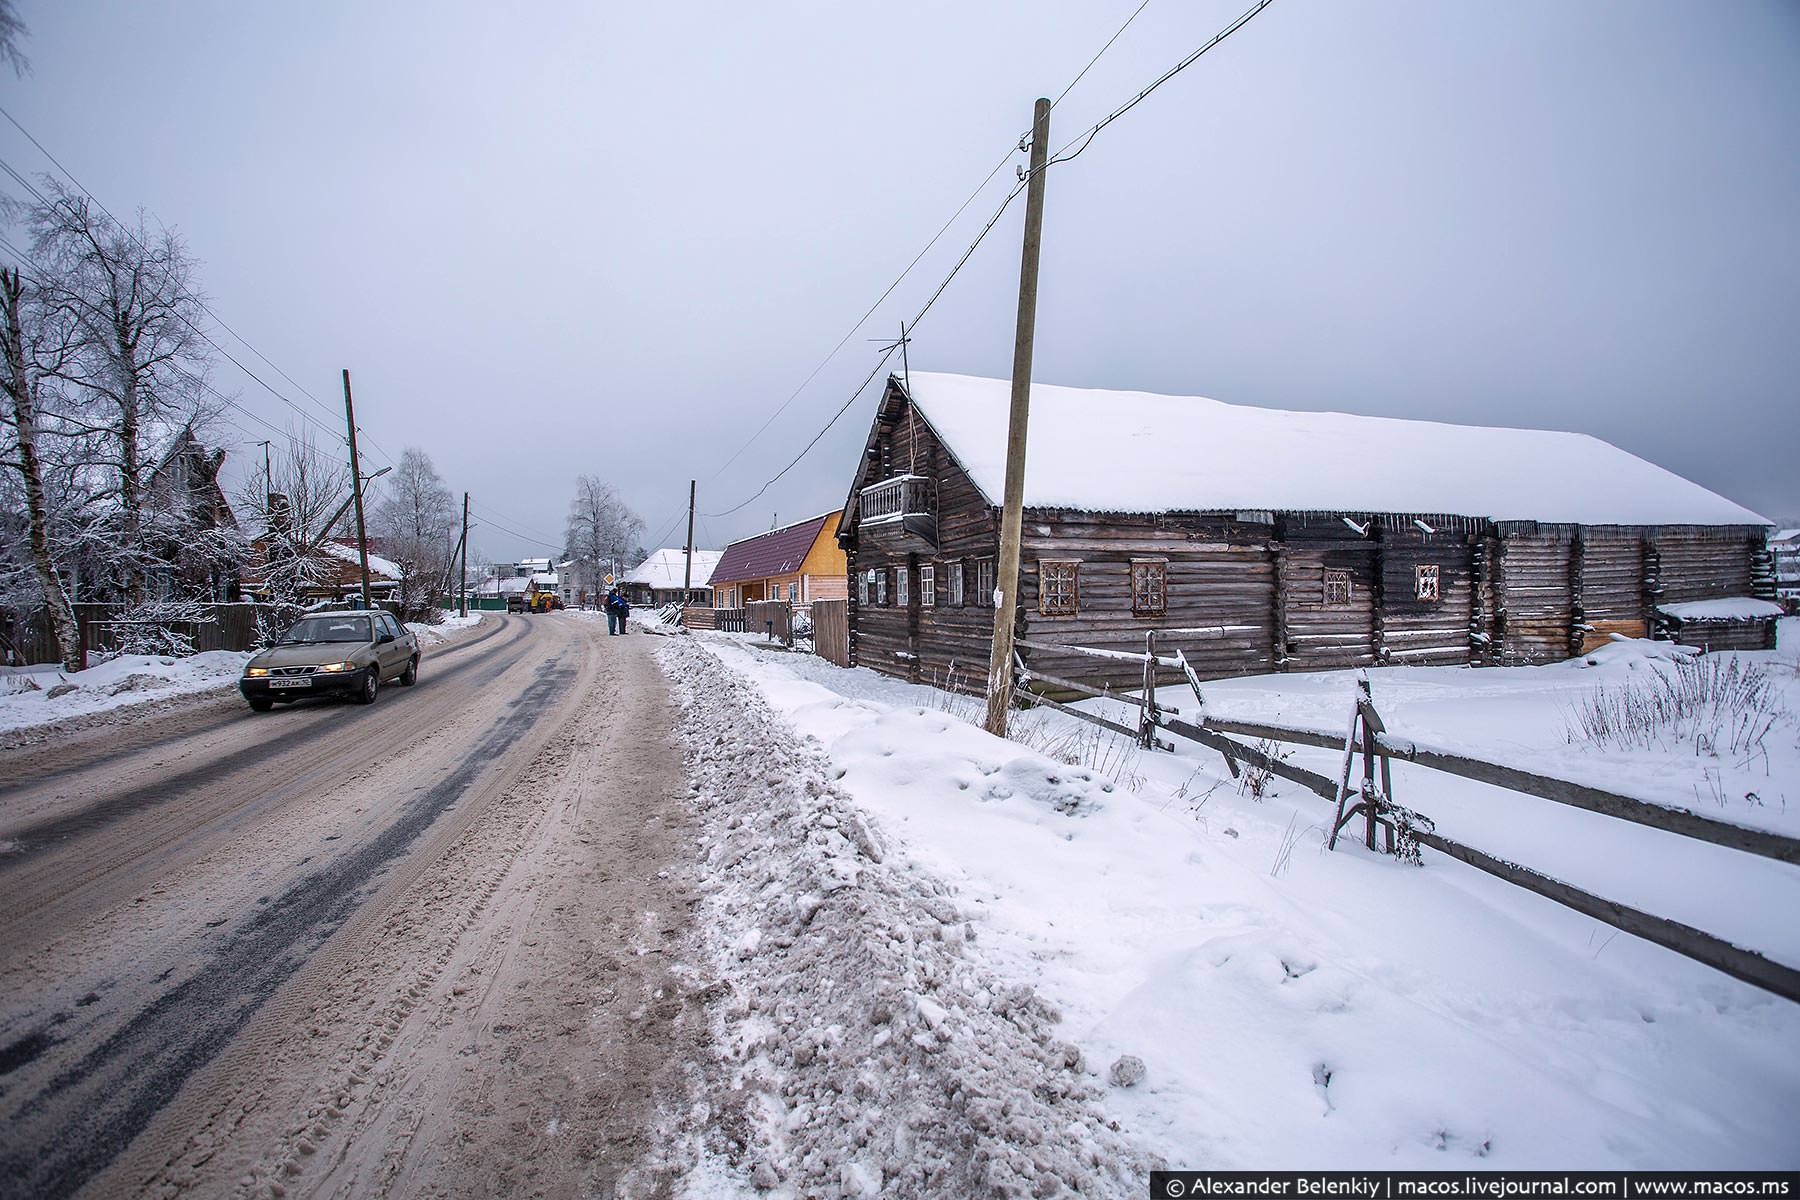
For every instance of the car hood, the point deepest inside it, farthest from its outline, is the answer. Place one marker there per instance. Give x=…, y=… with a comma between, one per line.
x=309, y=656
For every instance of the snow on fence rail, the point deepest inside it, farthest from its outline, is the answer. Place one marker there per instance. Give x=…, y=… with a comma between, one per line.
x=1404, y=831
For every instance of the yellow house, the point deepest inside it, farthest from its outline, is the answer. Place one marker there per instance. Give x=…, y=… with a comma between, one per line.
x=798, y=563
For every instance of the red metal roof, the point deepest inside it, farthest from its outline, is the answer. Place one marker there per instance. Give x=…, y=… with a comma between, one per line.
x=777, y=552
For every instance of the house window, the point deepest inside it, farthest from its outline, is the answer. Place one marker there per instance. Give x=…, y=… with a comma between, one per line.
x=1425, y=582
x=1149, y=587
x=793, y=593
x=1059, y=588
x=956, y=585
x=1337, y=589
x=864, y=583
x=881, y=587
x=984, y=583
x=928, y=587
x=902, y=586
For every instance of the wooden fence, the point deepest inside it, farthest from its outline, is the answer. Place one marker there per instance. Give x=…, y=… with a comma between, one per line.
x=28, y=639
x=831, y=631
x=1403, y=830
x=774, y=618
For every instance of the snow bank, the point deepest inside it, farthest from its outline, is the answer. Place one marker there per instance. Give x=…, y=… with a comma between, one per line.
x=130, y=679
x=451, y=626
x=1298, y=1008
x=869, y=1047
x=1188, y=452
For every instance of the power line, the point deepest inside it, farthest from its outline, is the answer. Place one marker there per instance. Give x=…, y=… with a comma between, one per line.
x=1086, y=138
x=497, y=524
x=1109, y=41
x=197, y=300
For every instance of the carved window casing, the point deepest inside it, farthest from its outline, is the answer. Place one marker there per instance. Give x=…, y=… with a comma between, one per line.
x=1425, y=582
x=1337, y=589
x=1149, y=587
x=1059, y=587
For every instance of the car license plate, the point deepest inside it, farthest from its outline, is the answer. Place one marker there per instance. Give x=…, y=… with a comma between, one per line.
x=275, y=683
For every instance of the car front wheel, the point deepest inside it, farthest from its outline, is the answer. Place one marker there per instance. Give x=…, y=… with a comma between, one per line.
x=371, y=686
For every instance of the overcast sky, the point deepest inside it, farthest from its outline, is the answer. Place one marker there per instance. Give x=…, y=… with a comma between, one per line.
x=613, y=238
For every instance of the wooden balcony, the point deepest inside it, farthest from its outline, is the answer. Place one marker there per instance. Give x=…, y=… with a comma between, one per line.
x=900, y=513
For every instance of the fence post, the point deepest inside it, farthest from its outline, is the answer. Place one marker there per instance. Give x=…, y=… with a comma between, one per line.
x=1147, y=726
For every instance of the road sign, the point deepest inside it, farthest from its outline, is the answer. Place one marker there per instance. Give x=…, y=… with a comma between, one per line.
x=609, y=579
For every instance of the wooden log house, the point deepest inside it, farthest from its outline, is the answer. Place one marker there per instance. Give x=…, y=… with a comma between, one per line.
x=1256, y=540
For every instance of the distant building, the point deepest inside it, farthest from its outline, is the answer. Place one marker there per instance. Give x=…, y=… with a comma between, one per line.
x=798, y=563
x=1785, y=546
x=658, y=579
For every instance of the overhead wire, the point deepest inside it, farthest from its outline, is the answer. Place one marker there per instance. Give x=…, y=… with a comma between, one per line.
x=199, y=301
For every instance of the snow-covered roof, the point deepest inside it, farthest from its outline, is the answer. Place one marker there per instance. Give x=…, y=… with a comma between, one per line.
x=1727, y=608
x=1785, y=535
x=546, y=578
x=664, y=568
x=1105, y=451
x=377, y=565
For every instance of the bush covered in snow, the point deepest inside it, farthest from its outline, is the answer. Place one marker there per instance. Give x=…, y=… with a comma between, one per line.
x=1718, y=704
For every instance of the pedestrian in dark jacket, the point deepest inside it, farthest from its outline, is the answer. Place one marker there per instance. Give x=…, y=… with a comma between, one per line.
x=616, y=610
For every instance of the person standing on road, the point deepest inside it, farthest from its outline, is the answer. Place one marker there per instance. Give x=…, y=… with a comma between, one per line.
x=616, y=610
x=624, y=611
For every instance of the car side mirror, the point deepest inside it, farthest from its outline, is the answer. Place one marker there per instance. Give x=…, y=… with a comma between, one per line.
x=384, y=639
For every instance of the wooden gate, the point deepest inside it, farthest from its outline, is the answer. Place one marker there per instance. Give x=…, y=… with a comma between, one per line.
x=831, y=631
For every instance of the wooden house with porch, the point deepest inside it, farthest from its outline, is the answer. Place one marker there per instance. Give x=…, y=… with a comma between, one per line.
x=1256, y=540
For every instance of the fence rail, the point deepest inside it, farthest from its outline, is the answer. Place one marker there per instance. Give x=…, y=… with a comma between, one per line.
x=1374, y=803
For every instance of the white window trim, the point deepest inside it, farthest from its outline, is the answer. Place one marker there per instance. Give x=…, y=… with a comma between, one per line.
x=902, y=586
x=927, y=586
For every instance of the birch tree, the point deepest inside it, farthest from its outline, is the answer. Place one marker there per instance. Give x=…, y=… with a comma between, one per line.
x=21, y=378
x=125, y=302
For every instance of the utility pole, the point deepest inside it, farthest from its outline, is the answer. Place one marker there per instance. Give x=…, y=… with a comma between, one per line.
x=687, y=574
x=362, y=537
x=1006, y=586
x=268, y=481
x=462, y=593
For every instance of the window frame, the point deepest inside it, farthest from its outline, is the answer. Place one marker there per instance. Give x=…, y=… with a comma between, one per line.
x=903, y=586
x=927, y=585
x=881, y=588
x=984, y=583
x=1428, y=583
x=1048, y=567
x=1140, y=604
x=1333, y=575
x=957, y=596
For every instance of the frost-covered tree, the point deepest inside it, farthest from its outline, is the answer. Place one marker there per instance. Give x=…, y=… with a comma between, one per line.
x=416, y=521
x=12, y=32
x=125, y=303
x=26, y=443
x=601, y=529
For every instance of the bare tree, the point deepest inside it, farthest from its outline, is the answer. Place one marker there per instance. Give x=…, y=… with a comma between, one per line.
x=21, y=379
x=12, y=32
x=415, y=521
x=125, y=302
x=601, y=529
x=308, y=492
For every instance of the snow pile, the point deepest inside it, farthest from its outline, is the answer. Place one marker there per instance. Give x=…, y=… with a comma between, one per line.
x=1297, y=1008
x=1728, y=608
x=449, y=627
x=26, y=699
x=869, y=1047
x=1188, y=452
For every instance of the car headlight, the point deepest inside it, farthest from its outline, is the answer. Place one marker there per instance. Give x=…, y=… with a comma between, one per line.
x=338, y=667
x=255, y=672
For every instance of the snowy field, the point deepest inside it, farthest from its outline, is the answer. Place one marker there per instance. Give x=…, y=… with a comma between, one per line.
x=1295, y=1007
x=130, y=679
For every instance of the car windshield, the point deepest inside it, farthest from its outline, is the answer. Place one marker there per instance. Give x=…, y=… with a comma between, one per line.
x=327, y=629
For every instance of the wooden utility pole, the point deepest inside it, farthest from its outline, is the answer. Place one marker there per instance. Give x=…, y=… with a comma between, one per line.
x=362, y=537
x=1006, y=585
x=687, y=574
x=462, y=592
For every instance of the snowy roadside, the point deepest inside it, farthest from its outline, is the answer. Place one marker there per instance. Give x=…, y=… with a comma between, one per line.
x=868, y=1047
x=1297, y=1008
x=46, y=695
